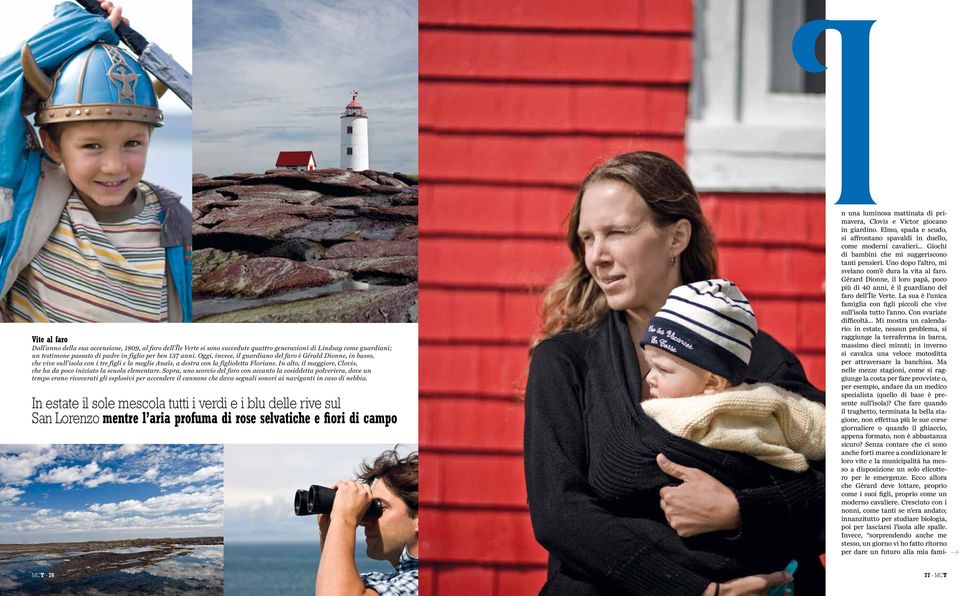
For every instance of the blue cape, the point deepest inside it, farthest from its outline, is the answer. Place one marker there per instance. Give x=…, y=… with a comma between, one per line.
x=71, y=30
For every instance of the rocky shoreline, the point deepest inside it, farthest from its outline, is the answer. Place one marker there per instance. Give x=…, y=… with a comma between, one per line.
x=327, y=245
x=81, y=560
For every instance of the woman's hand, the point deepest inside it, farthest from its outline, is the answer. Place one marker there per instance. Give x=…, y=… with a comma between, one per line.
x=754, y=585
x=700, y=504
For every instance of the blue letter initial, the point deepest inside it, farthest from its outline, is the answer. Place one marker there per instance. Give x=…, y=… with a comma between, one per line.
x=855, y=100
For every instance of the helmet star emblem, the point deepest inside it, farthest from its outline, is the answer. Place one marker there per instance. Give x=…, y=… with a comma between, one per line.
x=125, y=81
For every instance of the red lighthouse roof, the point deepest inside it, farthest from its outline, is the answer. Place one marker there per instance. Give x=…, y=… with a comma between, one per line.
x=354, y=108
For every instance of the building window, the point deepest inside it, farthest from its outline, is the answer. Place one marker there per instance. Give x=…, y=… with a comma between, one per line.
x=756, y=120
x=349, y=150
x=349, y=130
x=786, y=76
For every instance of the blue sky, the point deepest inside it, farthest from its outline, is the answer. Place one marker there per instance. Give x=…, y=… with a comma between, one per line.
x=276, y=76
x=67, y=493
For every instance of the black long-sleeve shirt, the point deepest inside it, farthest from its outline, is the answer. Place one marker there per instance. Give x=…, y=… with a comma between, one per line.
x=592, y=484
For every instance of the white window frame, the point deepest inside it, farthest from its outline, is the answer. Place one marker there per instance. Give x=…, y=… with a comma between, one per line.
x=740, y=135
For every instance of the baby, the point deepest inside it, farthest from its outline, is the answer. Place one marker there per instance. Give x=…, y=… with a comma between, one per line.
x=88, y=240
x=698, y=346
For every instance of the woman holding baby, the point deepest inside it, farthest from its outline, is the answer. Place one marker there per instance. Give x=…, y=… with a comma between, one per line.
x=623, y=505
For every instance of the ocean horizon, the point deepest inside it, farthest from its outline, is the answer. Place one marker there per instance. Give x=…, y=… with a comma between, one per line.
x=281, y=568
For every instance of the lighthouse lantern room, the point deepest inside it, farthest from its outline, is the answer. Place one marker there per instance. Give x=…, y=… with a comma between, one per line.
x=354, y=150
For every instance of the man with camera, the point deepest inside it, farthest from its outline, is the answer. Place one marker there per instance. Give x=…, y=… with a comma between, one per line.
x=393, y=536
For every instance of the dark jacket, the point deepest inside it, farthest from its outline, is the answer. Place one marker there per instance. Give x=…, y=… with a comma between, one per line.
x=592, y=481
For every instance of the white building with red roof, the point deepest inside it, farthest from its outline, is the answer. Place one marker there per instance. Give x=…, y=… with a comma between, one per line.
x=296, y=160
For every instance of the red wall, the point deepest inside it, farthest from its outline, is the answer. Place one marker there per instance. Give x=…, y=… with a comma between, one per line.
x=517, y=103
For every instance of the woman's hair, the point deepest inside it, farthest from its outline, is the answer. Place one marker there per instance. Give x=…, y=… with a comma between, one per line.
x=402, y=475
x=574, y=301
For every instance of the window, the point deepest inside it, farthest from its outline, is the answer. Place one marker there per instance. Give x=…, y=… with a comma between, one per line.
x=756, y=120
x=349, y=150
x=349, y=130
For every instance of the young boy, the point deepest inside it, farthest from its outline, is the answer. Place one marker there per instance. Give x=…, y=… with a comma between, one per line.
x=699, y=344
x=94, y=243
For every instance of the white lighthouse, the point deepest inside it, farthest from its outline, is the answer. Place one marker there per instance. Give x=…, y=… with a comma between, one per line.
x=354, y=150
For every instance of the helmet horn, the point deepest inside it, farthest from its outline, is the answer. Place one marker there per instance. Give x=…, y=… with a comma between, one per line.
x=36, y=78
x=158, y=87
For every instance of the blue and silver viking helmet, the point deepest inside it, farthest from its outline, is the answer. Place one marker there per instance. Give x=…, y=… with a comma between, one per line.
x=101, y=82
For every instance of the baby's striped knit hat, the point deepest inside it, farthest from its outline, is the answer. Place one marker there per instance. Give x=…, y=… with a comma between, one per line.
x=709, y=324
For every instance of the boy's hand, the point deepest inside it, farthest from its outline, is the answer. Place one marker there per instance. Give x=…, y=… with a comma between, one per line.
x=113, y=13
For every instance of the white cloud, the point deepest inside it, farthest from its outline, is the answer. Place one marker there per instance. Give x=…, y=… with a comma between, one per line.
x=80, y=516
x=10, y=494
x=201, y=475
x=200, y=499
x=198, y=512
x=105, y=477
x=68, y=475
x=19, y=463
x=123, y=451
x=203, y=523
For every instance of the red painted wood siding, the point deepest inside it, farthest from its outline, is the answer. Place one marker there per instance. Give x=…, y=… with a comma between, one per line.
x=517, y=103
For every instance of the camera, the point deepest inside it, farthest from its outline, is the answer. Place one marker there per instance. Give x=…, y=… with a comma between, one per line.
x=319, y=499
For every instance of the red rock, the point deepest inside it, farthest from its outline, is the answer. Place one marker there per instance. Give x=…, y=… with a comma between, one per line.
x=408, y=233
x=201, y=185
x=405, y=198
x=342, y=183
x=328, y=231
x=199, y=230
x=252, y=210
x=264, y=276
x=409, y=180
x=376, y=305
x=270, y=192
x=269, y=225
x=402, y=212
x=356, y=202
x=386, y=189
x=374, y=248
x=236, y=176
x=385, y=180
x=203, y=201
x=402, y=266
x=207, y=260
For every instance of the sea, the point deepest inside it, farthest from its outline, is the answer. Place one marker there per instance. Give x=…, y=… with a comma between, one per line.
x=257, y=569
